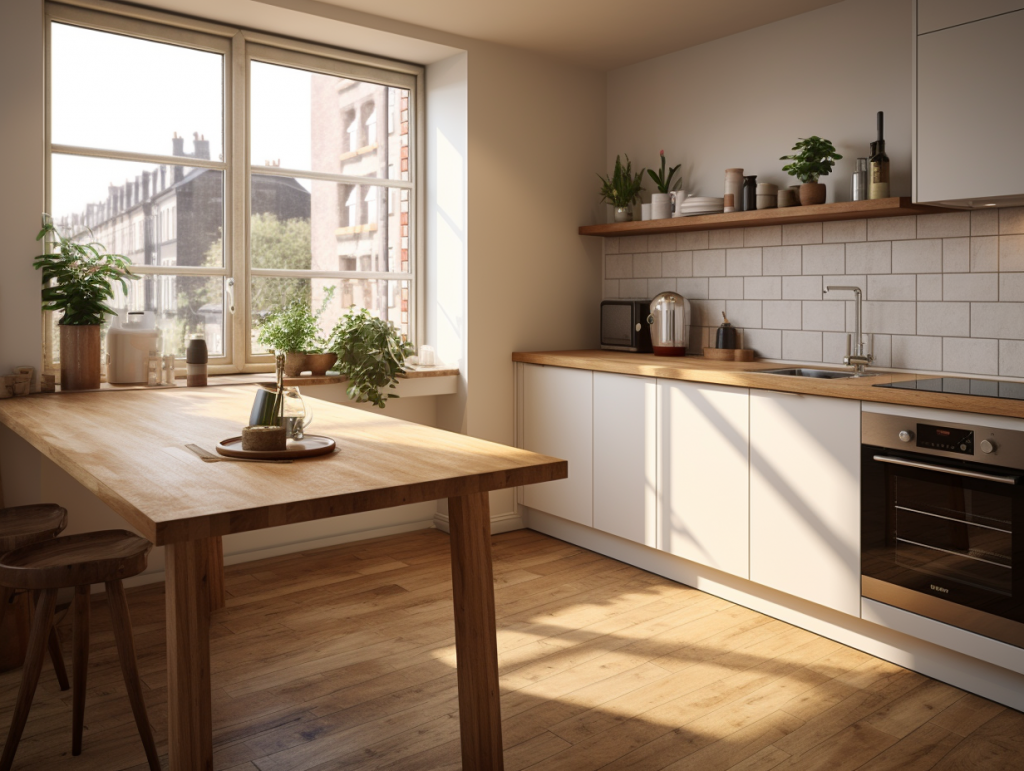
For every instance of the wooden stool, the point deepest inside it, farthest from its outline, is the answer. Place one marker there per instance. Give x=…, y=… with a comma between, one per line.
x=77, y=561
x=22, y=526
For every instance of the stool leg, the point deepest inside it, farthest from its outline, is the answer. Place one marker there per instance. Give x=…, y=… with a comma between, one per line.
x=80, y=664
x=5, y=600
x=130, y=668
x=53, y=643
x=41, y=625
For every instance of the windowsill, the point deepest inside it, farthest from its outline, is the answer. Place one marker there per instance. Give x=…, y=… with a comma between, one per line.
x=356, y=153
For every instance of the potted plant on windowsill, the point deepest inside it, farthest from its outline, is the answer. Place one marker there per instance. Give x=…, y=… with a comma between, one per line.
x=295, y=331
x=815, y=158
x=661, y=202
x=622, y=189
x=371, y=353
x=78, y=280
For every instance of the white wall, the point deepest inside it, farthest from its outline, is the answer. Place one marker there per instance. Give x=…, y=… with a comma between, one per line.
x=744, y=100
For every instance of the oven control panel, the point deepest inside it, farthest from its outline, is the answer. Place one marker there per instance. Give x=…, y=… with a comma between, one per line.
x=956, y=440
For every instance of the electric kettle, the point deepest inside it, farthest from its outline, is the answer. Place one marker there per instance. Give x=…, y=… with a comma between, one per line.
x=670, y=324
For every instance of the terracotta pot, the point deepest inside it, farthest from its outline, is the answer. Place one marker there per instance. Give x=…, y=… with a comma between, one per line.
x=294, y=363
x=812, y=193
x=79, y=357
x=319, y=363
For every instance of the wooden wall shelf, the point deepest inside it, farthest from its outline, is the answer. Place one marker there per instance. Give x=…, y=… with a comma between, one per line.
x=827, y=212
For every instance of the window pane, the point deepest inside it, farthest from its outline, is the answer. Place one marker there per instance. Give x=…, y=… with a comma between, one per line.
x=121, y=93
x=183, y=306
x=302, y=224
x=385, y=299
x=154, y=215
x=310, y=121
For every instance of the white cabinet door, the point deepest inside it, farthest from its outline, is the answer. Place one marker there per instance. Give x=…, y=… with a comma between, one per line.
x=625, y=434
x=703, y=468
x=558, y=420
x=805, y=497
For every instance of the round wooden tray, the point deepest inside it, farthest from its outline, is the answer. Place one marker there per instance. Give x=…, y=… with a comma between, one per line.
x=308, y=447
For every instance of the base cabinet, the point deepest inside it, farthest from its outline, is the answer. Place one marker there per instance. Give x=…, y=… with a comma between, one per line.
x=805, y=497
x=703, y=465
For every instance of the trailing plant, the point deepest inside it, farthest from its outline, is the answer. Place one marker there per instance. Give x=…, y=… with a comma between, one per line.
x=622, y=187
x=371, y=353
x=665, y=183
x=815, y=158
x=78, y=278
x=295, y=328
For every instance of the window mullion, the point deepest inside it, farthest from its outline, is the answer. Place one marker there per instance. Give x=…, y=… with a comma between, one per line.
x=238, y=215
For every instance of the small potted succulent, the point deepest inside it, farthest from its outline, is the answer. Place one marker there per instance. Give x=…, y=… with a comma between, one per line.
x=661, y=202
x=295, y=331
x=622, y=189
x=814, y=157
x=371, y=353
x=78, y=280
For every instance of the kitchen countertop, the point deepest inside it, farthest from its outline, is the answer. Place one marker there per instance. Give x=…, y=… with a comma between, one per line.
x=750, y=375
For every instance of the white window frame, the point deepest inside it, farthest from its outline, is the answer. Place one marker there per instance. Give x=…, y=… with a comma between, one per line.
x=239, y=48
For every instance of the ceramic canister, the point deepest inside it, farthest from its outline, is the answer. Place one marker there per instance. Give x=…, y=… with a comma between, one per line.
x=661, y=206
x=767, y=195
x=645, y=211
x=734, y=186
x=785, y=198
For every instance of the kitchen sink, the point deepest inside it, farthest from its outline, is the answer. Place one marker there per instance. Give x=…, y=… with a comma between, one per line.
x=825, y=374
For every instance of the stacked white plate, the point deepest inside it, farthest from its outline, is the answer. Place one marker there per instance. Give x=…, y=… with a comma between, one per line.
x=698, y=205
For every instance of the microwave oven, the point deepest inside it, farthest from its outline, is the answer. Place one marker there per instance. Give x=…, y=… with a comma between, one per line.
x=625, y=326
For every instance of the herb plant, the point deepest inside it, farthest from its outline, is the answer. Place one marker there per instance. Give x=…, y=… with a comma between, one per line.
x=295, y=328
x=665, y=183
x=623, y=187
x=815, y=158
x=371, y=353
x=78, y=277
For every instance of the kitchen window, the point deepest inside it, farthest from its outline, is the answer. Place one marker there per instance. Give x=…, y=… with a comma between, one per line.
x=237, y=171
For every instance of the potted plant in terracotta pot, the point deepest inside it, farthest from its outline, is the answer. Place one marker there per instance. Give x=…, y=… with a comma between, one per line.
x=814, y=157
x=661, y=202
x=78, y=281
x=371, y=353
x=295, y=331
x=622, y=189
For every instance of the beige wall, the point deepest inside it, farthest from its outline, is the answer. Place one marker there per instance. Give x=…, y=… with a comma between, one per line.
x=744, y=100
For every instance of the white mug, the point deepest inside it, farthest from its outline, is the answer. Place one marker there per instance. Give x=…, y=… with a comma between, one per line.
x=678, y=196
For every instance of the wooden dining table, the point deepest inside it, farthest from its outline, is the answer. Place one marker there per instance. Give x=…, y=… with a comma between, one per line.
x=129, y=449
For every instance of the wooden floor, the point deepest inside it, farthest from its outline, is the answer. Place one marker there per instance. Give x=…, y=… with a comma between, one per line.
x=343, y=658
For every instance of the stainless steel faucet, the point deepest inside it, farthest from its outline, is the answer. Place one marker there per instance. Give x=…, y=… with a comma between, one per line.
x=857, y=356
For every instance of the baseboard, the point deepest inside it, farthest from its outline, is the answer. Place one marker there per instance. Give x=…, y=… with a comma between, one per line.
x=500, y=523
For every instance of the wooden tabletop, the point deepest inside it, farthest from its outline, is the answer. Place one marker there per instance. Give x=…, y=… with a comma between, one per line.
x=750, y=375
x=130, y=451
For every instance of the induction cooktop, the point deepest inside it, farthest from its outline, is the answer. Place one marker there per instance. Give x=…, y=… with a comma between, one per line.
x=968, y=386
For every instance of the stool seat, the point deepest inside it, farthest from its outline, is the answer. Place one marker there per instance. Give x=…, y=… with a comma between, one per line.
x=25, y=525
x=75, y=560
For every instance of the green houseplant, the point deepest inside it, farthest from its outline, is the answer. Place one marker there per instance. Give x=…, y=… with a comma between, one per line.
x=622, y=188
x=661, y=202
x=78, y=281
x=371, y=353
x=295, y=331
x=813, y=157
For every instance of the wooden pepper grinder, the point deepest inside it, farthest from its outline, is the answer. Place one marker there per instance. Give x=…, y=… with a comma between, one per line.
x=726, y=337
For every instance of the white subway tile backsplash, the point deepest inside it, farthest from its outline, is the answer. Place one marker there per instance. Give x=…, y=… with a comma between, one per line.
x=725, y=288
x=929, y=287
x=956, y=255
x=802, y=346
x=801, y=287
x=729, y=238
x=1011, y=287
x=694, y=239
x=950, y=225
x=633, y=244
x=861, y=282
x=984, y=254
x=693, y=288
x=743, y=262
x=707, y=313
x=921, y=256
x=971, y=287
x=610, y=290
x=766, y=343
x=709, y=263
x=944, y=319
x=998, y=320
x=781, y=260
x=647, y=265
x=762, y=288
x=782, y=314
x=1011, y=253
x=824, y=316
x=611, y=245
x=661, y=242
x=892, y=228
x=844, y=231
x=770, y=235
x=881, y=348
x=985, y=222
x=677, y=264
x=618, y=266
x=1011, y=358
x=802, y=233
x=656, y=286
x=972, y=356
x=824, y=258
x=744, y=313
x=922, y=353
x=891, y=318
x=1011, y=220
x=892, y=287
x=870, y=257
x=833, y=347
x=633, y=289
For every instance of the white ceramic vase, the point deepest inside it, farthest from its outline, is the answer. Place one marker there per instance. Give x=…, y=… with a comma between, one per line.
x=661, y=206
x=623, y=214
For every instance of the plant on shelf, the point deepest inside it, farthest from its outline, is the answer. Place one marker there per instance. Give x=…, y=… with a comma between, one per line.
x=661, y=202
x=622, y=188
x=814, y=157
x=78, y=280
x=294, y=330
x=371, y=353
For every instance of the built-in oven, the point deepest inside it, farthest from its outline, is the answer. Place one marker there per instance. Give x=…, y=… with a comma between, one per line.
x=940, y=504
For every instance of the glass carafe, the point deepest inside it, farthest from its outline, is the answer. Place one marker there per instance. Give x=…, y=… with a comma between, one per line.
x=298, y=414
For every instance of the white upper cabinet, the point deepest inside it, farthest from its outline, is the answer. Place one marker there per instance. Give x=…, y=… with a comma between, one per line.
x=558, y=418
x=805, y=497
x=703, y=472
x=625, y=436
x=970, y=108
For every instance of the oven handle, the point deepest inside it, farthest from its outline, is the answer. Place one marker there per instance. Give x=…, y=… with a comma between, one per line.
x=947, y=470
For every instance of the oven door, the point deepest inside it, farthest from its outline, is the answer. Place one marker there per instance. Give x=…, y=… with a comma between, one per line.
x=938, y=539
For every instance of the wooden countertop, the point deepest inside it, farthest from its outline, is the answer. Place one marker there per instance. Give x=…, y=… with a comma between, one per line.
x=131, y=453
x=746, y=375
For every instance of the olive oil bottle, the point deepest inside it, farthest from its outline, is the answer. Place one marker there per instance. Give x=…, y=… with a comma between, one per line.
x=878, y=172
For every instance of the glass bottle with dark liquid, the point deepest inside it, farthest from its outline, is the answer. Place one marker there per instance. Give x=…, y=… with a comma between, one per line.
x=878, y=172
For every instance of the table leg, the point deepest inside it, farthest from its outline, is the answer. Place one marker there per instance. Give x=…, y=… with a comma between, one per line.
x=476, y=645
x=216, y=573
x=189, y=701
